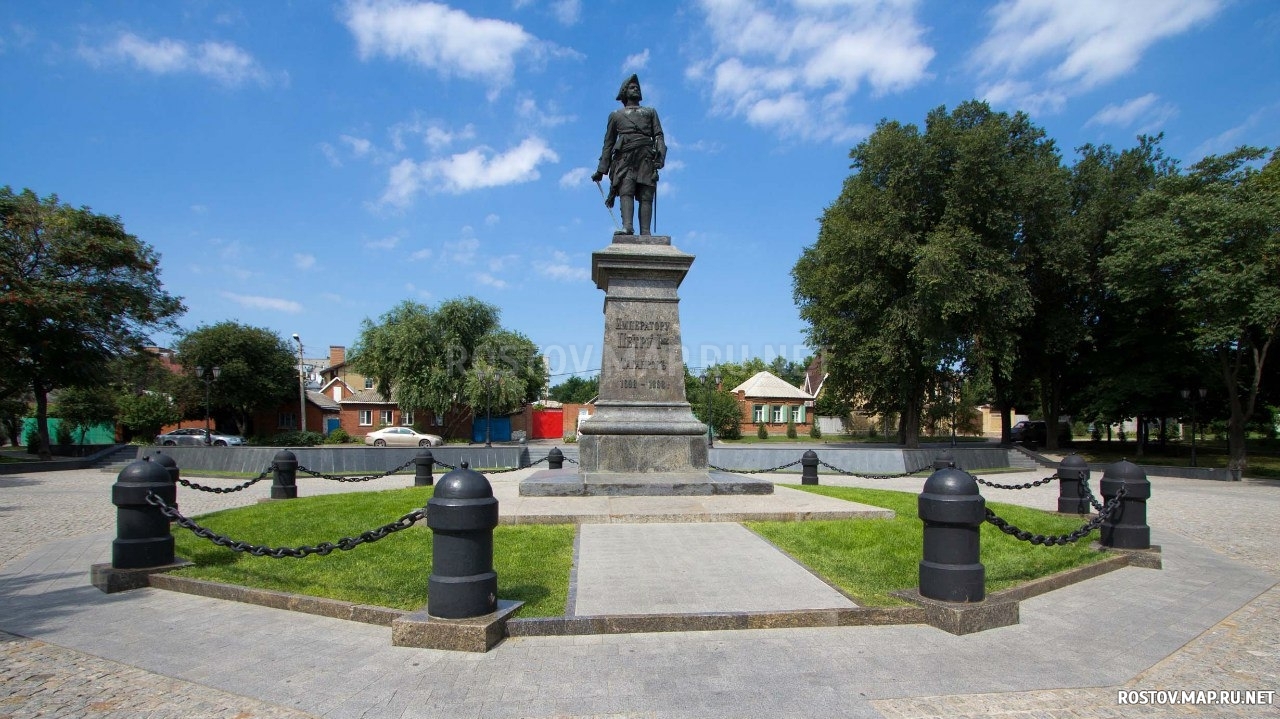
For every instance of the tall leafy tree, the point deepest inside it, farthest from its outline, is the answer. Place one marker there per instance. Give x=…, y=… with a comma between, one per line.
x=576, y=390
x=259, y=371
x=76, y=290
x=1206, y=245
x=422, y=357
x=82, y=408
x=914, y=274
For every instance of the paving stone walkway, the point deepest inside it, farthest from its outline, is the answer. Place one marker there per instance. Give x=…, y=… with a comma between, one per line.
x=1208, y=621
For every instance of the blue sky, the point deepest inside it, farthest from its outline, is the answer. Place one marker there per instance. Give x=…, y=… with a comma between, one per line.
x=302, y=166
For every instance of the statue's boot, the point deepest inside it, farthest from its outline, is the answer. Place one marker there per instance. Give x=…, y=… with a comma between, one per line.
x=646, y=215
x=627, y=207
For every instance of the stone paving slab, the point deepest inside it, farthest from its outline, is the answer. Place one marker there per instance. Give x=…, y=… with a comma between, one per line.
x=783, y=505
x=690, y=569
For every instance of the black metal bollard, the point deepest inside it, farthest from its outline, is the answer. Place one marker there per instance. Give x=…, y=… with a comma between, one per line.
x=462, y=515
x=1072, y=474
x=555, y=459
x=285, y=485
x=142, y=531
x=171, y=466
x=944, y=460
x=1127, y=527
x=953, y=512
x=809, y=467
x=424, y=465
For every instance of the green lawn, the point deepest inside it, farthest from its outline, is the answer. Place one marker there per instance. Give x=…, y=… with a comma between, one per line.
x=867, y=558
x=532, y=561
x=871, y=558
x=1263, y=454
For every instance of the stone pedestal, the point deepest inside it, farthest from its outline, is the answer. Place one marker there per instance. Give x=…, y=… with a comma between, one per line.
x=643, y=438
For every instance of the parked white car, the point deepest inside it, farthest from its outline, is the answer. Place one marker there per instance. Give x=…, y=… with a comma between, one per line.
x=402, y=437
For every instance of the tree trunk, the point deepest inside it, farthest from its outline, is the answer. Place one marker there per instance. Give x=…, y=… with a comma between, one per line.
x=1140, y=434
x=42, y=420
x=910, y=433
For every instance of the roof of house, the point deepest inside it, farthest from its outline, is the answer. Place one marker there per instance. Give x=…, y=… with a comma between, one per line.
x=323, y=401
x=367, y=396
x=815, y=375
x=769, y=385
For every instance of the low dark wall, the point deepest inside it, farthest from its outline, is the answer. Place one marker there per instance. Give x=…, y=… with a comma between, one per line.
x=857, y=459
x=336, y=459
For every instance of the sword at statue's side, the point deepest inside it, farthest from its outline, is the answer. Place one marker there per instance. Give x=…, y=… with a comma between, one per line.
x=608, y=207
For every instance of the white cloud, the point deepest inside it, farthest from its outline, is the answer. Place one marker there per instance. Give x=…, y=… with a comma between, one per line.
x=793, y=69
x=1260, y=123
x=575, y=177
x=403, y=182
x=489, y=280
x=263, y=303
x=423, y=254
x=527, y=108
x=567, y=12
x=304, y=261
x=480, y=168
x=1059, y=48
x=561, y=268
x=1146, y=112
x=491, y=220
x=224, y=63
x=464, y=250
x=440, y=38
x=636, y=62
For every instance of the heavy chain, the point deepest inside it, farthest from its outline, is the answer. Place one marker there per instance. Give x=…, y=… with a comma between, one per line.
x=863, y=476
x=1059, y=539
x=227, y=490
x=516, y=469
x=1028, y=485
x=367, y=478
x=754, y=471
x=1088, y=493
x=257, y=550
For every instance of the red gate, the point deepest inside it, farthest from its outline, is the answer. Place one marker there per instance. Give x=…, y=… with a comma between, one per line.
x=548, y=424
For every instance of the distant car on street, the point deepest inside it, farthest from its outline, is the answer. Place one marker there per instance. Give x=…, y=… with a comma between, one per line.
x=196, y=437
x=1036, y=432
x=402, y=437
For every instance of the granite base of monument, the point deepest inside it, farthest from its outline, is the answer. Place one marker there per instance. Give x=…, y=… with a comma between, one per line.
x=571, y=483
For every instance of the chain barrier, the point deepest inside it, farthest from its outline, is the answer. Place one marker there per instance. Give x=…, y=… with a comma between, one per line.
x=1028, y=485
x=1088, y=493
x=516, y=469
x=754, y=471
x=367, y=478
x=1060, y=539
x=227, y=490
x=257, y=550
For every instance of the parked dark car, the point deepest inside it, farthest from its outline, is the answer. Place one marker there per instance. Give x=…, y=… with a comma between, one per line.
x=195, y=437
x=1036, y=431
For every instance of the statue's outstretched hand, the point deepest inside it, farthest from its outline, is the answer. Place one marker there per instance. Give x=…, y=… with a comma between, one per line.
x=598, y=176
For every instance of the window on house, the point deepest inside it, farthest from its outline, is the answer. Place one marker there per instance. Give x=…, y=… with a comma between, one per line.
x=287, y=420
x=385, y=416
x=780, y=414
x=757, y=414
x=797, y=412
x=366, y=418
x=406, y=417
x=368, y=383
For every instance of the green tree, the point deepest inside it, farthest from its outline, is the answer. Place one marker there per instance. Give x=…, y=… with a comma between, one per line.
x=1206, y=245
x=915, y=273
x=423, y=358
x=82, y=408
x=145, y=413
x=259, y=371
x=76, y=290
x=576, y=390
x=725, y=413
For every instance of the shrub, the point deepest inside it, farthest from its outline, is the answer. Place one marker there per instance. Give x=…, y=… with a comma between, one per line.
x=295, y=439
x=791, y=428
x=62, y=435
x=761, y=431
x=814, y=432
x=571, y=439
x=338, y=436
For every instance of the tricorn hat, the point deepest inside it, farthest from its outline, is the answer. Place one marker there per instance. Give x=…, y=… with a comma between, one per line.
x=622, y=91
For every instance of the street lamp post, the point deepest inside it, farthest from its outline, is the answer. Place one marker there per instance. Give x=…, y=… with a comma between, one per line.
x=487, y=376
x=712, y=382
x=302, y=386
x=1189, y=395
x=208, y=378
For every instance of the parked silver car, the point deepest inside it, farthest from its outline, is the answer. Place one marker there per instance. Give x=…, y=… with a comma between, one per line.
x=196, y=437
x=402, y=437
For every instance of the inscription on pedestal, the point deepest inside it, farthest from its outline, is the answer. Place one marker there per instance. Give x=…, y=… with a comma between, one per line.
x=643, y=360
